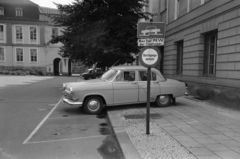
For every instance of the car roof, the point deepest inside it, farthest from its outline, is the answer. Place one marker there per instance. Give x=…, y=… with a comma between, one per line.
x=95, y=68
x=135, y=67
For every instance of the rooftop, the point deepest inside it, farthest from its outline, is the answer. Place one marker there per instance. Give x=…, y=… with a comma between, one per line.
x=18, y=1
x=46, y=10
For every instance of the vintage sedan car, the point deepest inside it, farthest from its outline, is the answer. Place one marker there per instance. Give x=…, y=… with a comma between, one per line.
x=92, y=74
x=122, y=85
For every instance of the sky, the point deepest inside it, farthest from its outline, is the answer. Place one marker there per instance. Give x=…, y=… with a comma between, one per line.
x=50, y=4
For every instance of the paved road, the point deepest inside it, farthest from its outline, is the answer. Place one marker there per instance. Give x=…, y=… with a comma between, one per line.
x=35, y=124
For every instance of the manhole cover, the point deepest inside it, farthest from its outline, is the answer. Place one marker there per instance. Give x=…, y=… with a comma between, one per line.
x=142, y=116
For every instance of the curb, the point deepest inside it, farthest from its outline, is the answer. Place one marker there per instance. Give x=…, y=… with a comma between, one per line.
x=126, y=145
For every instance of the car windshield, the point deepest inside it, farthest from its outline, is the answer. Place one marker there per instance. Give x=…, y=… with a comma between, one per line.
x=109, y=75
x=89, y=71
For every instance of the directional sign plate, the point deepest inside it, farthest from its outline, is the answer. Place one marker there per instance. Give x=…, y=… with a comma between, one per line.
x=150, y=30
x=151, y=42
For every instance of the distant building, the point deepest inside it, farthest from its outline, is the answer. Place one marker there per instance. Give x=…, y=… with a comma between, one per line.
x=25, y=31
x=202, y=41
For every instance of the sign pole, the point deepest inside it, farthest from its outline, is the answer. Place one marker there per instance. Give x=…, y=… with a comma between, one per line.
x=150, y=34
x=148, y=102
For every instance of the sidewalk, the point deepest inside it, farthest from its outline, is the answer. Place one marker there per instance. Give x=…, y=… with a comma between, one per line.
x=204, y=131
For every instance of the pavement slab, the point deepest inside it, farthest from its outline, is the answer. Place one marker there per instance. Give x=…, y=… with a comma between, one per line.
x=204, y=131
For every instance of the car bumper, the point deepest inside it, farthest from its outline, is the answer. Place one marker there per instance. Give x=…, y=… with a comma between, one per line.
x=71, y=102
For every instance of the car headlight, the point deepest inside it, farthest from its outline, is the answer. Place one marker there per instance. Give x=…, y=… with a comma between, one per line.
x=69, y=90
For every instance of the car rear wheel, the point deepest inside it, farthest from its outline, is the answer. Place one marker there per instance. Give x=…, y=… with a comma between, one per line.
x=163, y=100
x=93, y=105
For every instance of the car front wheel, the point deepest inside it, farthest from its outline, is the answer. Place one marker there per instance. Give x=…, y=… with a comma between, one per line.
x=93, y=105
x=163, y=100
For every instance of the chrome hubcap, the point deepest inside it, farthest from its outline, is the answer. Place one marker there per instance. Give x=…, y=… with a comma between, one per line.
x=93, y=105
x=163, y=99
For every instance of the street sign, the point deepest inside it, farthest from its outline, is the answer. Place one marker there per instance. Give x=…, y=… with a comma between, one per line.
x=150, y=30
x=151, y=42
x=149, y=57
x=150, y=34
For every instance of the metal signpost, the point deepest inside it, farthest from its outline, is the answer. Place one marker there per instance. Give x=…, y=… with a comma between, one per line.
x=151, y=34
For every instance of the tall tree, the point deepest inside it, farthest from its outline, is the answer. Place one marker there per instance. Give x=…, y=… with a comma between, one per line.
x=100, y=31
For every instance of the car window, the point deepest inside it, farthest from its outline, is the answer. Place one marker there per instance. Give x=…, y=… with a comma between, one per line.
x=109, y=75
x=154, y=76
x=143, y=76
x=126, y=76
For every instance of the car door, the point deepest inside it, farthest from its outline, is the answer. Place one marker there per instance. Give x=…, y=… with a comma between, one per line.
x=125, y=88
x=154, y=84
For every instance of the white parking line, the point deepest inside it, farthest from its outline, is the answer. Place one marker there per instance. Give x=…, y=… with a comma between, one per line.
x=88, y=137
x=41, y=123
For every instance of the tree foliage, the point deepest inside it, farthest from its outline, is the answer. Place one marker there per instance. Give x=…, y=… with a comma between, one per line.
x=100, y=31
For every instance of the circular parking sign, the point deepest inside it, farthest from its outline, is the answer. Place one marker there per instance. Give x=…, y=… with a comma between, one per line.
x=149, y=56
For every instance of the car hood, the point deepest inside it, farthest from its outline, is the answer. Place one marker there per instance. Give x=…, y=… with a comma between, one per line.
x=85, y=83
x=172, y=80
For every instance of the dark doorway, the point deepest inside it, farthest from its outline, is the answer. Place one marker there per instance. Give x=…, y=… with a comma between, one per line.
x=56, y=62
x=69, y=67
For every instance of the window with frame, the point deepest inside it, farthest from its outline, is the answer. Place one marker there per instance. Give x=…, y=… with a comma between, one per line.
x=33, y=34
x=181, y=7
x=54, y=32
x=19, y=12
x=210, y=50
x=163, y=5
x=19, y=54
x=19, y=33
x=1, y=11
x=33, y=55
x=2, y=54
x=179, y=69
x=1, y=32
x=194, y=4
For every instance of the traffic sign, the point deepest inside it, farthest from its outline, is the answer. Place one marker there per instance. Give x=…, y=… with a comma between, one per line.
x=150, y=29
x=151, y=42
x=150, y=56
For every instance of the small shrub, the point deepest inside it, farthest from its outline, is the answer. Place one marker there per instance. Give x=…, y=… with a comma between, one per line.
x=40, y=73
x=11, y=73
x=33, y=72
x=6, y=72
x=229, y=96
x=27, y=72
x=206, y=93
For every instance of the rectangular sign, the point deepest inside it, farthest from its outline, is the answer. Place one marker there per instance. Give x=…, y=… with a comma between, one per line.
x=151, y=30
x=151, y=42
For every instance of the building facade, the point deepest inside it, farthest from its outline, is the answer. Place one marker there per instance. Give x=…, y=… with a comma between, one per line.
x=25, y=32
x=202, y=41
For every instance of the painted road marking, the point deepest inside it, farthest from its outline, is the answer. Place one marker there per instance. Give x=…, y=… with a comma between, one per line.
x=87, y=137
x=41, y=123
